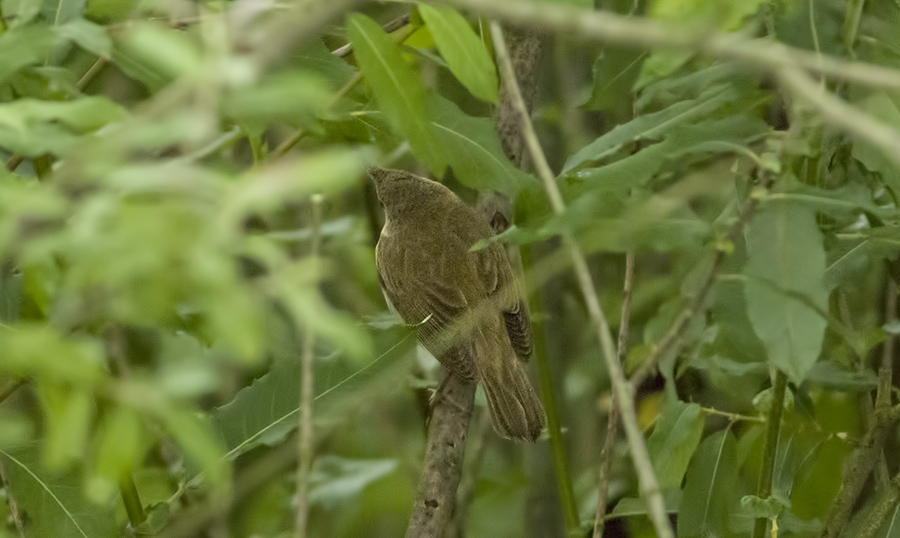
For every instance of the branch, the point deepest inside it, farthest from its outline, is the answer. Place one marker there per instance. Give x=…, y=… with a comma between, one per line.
x=761, y=54
x=305, y=445
x=612, y=421
x=861, y=462
x=436, y=494
x=647, y=478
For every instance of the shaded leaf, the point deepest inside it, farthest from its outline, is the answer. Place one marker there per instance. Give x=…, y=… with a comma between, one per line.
x=709, y=488
x=473, y=149
x=54, y=503
x=19, y=12
x=674, y=439
x=786, y=259
x=334, y=479
x=87, y=35
x=24, y=46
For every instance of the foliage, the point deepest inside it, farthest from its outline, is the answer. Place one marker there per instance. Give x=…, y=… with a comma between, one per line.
x=156, y=281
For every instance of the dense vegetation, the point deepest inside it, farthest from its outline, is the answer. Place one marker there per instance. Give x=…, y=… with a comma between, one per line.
x=187, y=232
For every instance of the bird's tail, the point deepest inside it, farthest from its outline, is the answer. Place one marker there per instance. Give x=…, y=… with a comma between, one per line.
x=516, y=411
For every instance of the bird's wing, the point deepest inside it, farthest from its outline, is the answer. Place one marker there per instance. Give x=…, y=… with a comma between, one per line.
x=424, y=300
x=498, y=284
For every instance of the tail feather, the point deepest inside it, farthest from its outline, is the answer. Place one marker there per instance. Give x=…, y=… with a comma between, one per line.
x=516, y=411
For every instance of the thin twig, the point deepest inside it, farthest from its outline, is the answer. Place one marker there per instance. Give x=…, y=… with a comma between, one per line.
x=763, y=54
x=612, y=421
x=646, y=476
x=305, y=444
x=842, y=115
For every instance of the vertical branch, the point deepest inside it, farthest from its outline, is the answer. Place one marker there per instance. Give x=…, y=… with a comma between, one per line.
x=436, y=495
x=305, y=444
x=612, y=421
x=773, y=428
x=646, y=476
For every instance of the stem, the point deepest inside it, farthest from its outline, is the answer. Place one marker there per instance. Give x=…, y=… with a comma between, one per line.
x=612, y=421
x=305, y=444
x=773, y=428
x=646, y=476
x=548, y=395
x=132, y=500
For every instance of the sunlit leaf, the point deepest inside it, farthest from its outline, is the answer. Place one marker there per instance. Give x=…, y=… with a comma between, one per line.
x=464, y=51
x=397, y=88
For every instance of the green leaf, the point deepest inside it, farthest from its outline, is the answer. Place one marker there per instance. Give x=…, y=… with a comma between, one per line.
x=19, y=12
x=674, y=439
x=165, y=52
x=397, y=88
x=856, y=252
x=24, y=46
x=57, y=12
x=651, y=126
x=891, y=526
x=89, y=36
x=615, y=71
x=10, y=294
x=709, y=488
x=334, y=479
x=879, y=105
x=33, y=127
x=474, y=150
x=786, y=263
x=53, y=503
x=266, y=411
x=464, y=51
x=292, y=97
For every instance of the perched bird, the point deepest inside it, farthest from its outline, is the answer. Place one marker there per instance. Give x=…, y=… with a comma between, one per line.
x=465, y=302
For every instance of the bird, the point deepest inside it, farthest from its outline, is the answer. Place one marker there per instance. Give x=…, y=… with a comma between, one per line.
x=465, y=302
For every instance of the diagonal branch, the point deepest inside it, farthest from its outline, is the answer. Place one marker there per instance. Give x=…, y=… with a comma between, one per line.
x=647, y=478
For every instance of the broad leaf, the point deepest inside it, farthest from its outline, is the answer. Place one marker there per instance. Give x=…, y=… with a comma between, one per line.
x=53, y=503
x=474, y=150
x=709, y=489
x=19, y=12
x=464, y=51
x=786, y=266
x=397, y=88
x=87, y=35
x=24, y=46
x=335, y=479
x=674, y=439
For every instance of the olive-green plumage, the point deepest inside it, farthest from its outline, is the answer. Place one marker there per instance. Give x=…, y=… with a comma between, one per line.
x=466, y=304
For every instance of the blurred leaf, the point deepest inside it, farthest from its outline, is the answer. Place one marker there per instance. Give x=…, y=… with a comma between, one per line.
x=834, y=376
x=674, y=439
x=33, y=127
x=54, y=503
x=762, y=508
x=879, y=105
x=397, y=88
x=157, y=517
x=89, y=36
x=786, y=256
x=19, y=12
x=33, y=351
x=118, y=452
x=266, y=411
x=709, y=488
x=164, y=51
x=10, y=294
x=855, y=252
x=474, y=150
x=292, y=97
x=630, y=507
x=24, y=46
x=57, y=12
x=335, y=479
x=68, y=416
x=464, y=51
